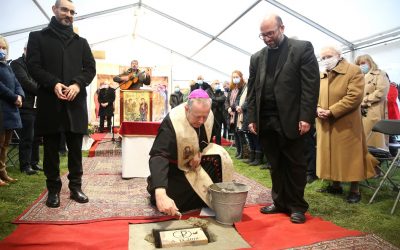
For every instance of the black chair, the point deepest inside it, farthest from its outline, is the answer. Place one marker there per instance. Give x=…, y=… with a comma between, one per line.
x=13, y=152
x=391, y=128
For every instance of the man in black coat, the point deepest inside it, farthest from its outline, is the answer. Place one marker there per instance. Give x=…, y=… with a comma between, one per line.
x=200, y=84
x=106, y=109
x=282, y=99
x=29, y=143
x=218, y=101
x=63, y=65
x=176, y=98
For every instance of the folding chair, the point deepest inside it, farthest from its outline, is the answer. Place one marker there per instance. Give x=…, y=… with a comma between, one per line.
x=13, y=150
x=389, y=127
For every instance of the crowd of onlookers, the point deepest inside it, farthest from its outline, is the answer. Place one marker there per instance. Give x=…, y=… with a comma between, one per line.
x=379, y=100
x=367, y=96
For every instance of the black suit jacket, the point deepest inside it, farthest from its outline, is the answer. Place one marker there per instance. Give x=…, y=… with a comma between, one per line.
x=296, y=85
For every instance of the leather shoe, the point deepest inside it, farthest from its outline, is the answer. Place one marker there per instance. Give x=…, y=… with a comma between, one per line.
x=271, y=209
x=331, y=190
x=353, y=197
x=297, y=217
x=37, y=167
x=78, y=196
x=28, y=170
x=53, y=200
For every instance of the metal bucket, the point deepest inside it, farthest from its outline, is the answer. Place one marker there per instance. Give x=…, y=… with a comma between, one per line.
x=227, y=200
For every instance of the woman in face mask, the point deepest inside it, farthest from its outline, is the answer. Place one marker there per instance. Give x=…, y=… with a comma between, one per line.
x=231, y=105
x=374, y=102
x=11, y=95
x=342, y=154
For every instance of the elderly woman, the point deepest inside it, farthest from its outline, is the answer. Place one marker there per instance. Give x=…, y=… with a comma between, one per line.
x=11, y=95
x=342, y=154
x=374, y=101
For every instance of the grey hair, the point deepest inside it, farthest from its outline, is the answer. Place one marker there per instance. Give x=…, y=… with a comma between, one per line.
x=333, y=48
x=203, y=101
x=2, y=38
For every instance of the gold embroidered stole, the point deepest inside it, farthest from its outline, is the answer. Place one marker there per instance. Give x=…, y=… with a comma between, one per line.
x=188, y=146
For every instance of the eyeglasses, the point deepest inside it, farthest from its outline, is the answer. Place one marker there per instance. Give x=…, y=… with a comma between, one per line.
x=66, y=10
x=268, y=34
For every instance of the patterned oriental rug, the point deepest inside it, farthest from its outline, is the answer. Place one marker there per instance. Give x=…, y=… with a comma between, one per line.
x=111, y=197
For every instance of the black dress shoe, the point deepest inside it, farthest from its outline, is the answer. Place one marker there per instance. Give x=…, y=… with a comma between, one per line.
x=28, y=170
x=353, y=197
x=78, y=196
x=266, y=166
x=297, y=217
x=331, y=190
x=37, y=167
x=271, y=209
x=53, y=200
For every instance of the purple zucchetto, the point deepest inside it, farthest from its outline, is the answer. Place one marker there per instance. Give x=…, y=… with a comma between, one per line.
x=198, y=93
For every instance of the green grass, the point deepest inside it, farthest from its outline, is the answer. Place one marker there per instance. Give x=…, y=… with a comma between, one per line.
x=17, y=197
x=370, y=218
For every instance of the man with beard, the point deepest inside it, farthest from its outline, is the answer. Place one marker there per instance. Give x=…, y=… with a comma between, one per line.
x=133, y=78
x=282, y=98
x=63, y=65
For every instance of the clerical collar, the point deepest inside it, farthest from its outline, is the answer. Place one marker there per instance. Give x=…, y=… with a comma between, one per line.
x=279, y=44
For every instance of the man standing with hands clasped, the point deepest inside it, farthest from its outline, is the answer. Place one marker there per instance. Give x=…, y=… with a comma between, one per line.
x=282, y=98
x=63, y=65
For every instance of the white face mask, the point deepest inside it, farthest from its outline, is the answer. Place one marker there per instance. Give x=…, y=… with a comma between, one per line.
x=330, y=63
x=236, y=80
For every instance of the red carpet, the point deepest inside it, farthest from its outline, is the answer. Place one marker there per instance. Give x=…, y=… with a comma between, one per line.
x=97, y=137
x=259, y=230
x=275, y=231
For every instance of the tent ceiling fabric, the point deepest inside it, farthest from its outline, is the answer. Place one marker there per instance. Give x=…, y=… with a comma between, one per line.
x=212, y=38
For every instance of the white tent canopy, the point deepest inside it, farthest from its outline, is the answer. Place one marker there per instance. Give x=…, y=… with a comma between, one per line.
x=213, y=38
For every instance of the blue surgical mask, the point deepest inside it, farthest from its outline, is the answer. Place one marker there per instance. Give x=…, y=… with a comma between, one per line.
x=364, y=68
x=200, y=82
x=3, y=54
x=177, y=90
x=236, y=80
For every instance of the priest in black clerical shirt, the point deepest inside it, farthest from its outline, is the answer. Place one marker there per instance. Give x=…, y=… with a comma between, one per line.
x=183, y=162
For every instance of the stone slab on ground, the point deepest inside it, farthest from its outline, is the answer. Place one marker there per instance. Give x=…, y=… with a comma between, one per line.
x=226, y=236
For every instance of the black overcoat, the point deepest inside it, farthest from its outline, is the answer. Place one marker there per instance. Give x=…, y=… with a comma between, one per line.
x=51, y=60
x=106, y=95
x=296, y=86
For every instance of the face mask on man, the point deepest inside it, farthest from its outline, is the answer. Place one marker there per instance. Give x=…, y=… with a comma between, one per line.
x=3, y=54
x=200, y=82
x=364, y=68
x=177, y=90
x=236, y=80
x=330, y=63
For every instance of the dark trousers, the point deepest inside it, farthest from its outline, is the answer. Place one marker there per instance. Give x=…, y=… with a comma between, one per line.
x=254, y=142
x=217, y=127
x=311, y=154
x=101, y=125
x=51, y=161
x=288, y=170
x=28, y=142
